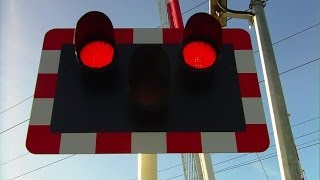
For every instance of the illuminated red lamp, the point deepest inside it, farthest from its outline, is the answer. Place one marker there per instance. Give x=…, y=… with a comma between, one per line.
x=202, y=40
x=198, y=54
x=97, y=54
x=94, y=41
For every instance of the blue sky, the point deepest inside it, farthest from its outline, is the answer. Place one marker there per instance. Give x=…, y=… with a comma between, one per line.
x=24, y=23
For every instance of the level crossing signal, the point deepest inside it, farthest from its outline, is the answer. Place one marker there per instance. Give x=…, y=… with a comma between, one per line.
x=102, y=89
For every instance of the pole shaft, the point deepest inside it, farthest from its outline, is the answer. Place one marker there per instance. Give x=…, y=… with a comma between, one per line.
x=174, y=14
x=147, y=166
x=287, y=156
x=207, y=167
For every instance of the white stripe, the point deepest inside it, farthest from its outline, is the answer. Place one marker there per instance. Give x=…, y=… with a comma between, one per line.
x=81, y=143
x=253, y=110
x=49, y=62
x=41, y=111
x=148, y=142
x=147, y=36
x=245, y=61
x=218, y=142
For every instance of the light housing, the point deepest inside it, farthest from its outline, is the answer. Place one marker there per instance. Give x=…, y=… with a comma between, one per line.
x=202, y=39
x=94, y=41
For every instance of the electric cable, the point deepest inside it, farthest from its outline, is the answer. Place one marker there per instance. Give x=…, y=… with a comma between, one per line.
x=299, y=66
x=312, y=119
x=42, y=167
x=286, y=38
x=221, y=162
x=158, y=171
x=251, y=161
x=14, y=126
x=183, y=13
x=269, y=147
x=186, y=11
x=317, y=59
x=292, y=35
x=303, y=122
x=230, y=159
x=264, y=170
x=16, y=104
x=14, y=159
x=244, y=154
x=296, y=67
x=304, y=135
x=254, y=161
x=233, y=11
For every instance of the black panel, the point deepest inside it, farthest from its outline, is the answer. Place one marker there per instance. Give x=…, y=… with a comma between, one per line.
x=100, y=103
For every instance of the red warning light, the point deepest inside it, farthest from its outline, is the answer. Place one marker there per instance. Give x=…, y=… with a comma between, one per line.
x=202, y=39
x=97, y=54
x=94, y=41
x=198, y=54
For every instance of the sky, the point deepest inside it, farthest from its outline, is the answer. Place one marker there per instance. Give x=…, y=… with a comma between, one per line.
x=294, y=28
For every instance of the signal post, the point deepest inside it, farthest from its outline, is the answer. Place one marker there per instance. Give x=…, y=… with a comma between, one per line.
x=286, y=150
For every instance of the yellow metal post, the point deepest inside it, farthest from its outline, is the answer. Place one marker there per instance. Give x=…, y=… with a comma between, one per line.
x=214, y=10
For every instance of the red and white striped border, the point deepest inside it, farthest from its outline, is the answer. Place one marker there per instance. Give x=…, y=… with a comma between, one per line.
x=40, y=140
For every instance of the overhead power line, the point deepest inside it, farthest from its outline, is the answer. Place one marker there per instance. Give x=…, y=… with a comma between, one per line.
x=176, y=165
x=295, y=34
x=42, y=167
x=188, y=11
x=312, y=119
x=269, y=147
x=300, y=123
x=281, y=40
x=157, y=27
x=231, y=159
x=304, y=135
x=16, y=104
x=213, y=164
x=262, y=158
x=259, y=82
x=14, y=159
x=271, y=155
x=296, y=67
x=14, y=126
x=303, y=122
x=264, y=170
x=299, y=66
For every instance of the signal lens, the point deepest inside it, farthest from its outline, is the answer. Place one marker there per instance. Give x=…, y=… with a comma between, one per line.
x=199, y=55
x=97, y=54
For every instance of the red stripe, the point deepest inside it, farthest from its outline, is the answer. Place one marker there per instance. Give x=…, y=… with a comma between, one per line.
x=40, y=140
x=254, y=139
x=55, y=38
x=124, y=36
x=239, y=38
x=184, y=142
x=249, y=85
x=46, y=86
x=172, y=36
x=113, y=143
